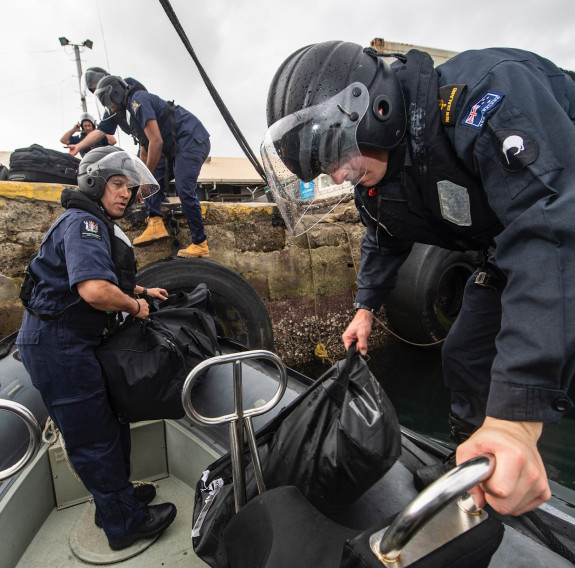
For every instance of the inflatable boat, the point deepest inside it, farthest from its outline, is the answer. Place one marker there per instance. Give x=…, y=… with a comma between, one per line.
x=47, y=516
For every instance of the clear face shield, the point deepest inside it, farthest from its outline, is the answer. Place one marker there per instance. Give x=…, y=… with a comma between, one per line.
x=124, y=164
x=104, y=95
x=302, y=146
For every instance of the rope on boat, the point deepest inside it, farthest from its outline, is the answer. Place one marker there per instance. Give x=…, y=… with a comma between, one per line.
x=50, y=436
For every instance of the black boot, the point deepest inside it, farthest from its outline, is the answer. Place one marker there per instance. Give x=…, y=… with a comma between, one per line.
x=159, y=518
x=459, y=431
x=145, y=493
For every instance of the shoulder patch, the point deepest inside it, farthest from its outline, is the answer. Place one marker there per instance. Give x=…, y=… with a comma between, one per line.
x=516, y=149
x=90, y=229
x=448, y=97
x=135, y=106
x=477, y=114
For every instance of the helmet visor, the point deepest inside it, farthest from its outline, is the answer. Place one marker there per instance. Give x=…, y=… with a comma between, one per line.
x=104, y=95
x=131, y=167
x=299, y=148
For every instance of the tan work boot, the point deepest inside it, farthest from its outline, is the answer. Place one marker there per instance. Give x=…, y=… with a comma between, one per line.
x=195, y=251
x=155, y=231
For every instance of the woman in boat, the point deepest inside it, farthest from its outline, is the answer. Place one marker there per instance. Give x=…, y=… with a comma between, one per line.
x=474, y=155
x=82, y=277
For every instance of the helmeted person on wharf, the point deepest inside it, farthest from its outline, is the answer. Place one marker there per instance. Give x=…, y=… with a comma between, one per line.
x=476, y=154
x=82, y=277
x=110, y=121
x=84, y=126
x=172, y=141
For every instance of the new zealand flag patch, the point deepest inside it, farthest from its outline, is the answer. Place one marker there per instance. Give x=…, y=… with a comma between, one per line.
x=476, y=115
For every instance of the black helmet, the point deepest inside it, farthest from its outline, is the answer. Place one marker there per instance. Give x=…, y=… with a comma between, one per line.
x=111, y=89
x=100, y=164
x=92, y=76
x=325, y=103
x=317, y=72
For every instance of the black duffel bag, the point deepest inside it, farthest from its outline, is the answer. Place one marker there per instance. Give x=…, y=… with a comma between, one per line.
x=38, y=164
x=333, y=443
x=145, y=362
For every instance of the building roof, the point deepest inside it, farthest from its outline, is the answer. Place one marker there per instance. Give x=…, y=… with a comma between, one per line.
x=229, y=170
x=438, y=55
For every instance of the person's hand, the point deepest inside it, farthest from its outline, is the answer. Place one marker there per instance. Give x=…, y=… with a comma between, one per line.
x=358, y=330
x=77, y=127
x=72, y=149
x=158, y=293
x=144, y=309
x=519, y=482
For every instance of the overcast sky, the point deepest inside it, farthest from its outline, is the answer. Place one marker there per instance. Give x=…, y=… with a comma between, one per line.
x=240, y=44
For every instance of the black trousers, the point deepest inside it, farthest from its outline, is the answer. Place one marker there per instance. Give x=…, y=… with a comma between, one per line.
x=469, y=348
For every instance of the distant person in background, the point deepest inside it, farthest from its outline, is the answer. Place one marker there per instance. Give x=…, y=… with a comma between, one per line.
x=171, y=139
x=84, y=126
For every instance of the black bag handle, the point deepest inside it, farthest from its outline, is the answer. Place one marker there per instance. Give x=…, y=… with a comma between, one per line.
x=341, y=382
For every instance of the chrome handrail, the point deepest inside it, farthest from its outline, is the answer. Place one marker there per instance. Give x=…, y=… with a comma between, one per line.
x=35, y=437
x=430, y=501
x=240, y=419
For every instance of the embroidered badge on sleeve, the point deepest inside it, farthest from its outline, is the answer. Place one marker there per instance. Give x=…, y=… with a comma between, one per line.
x=448, y=96
x=478, y=112
x=516, y=149
x=90, y=230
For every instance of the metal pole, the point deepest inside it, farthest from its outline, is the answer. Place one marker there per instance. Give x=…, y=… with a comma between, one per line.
x=79, y=68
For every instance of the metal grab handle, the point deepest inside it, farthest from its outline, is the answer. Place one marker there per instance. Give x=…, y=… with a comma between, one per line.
x=240, y=418
x=35, y=437
x=430, y=501
x=235, y=358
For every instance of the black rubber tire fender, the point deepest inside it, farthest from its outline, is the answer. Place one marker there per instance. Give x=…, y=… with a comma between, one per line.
x=429, y=292
x=240, y=310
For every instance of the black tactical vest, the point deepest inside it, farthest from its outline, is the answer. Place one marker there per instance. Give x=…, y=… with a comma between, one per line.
x=428, y=196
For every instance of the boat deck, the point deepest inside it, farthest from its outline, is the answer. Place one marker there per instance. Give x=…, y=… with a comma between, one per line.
x=75, y=526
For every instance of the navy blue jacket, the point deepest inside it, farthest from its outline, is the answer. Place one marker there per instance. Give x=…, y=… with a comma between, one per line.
x=509, y=117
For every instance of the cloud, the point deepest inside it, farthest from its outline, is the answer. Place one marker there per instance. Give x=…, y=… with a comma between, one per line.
x=240, y=45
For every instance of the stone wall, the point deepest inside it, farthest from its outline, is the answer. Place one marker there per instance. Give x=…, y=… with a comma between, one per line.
x=307, y=282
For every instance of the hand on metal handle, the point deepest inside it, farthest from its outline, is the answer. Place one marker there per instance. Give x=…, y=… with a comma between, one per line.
x=431, y=500
x=35, y=437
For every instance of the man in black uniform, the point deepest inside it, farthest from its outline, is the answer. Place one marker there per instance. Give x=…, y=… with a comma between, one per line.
x=83, y=273
x=474, y=155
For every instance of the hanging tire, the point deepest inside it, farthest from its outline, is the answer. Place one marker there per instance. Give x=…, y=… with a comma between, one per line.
x=429, y=293
x=241, y=312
